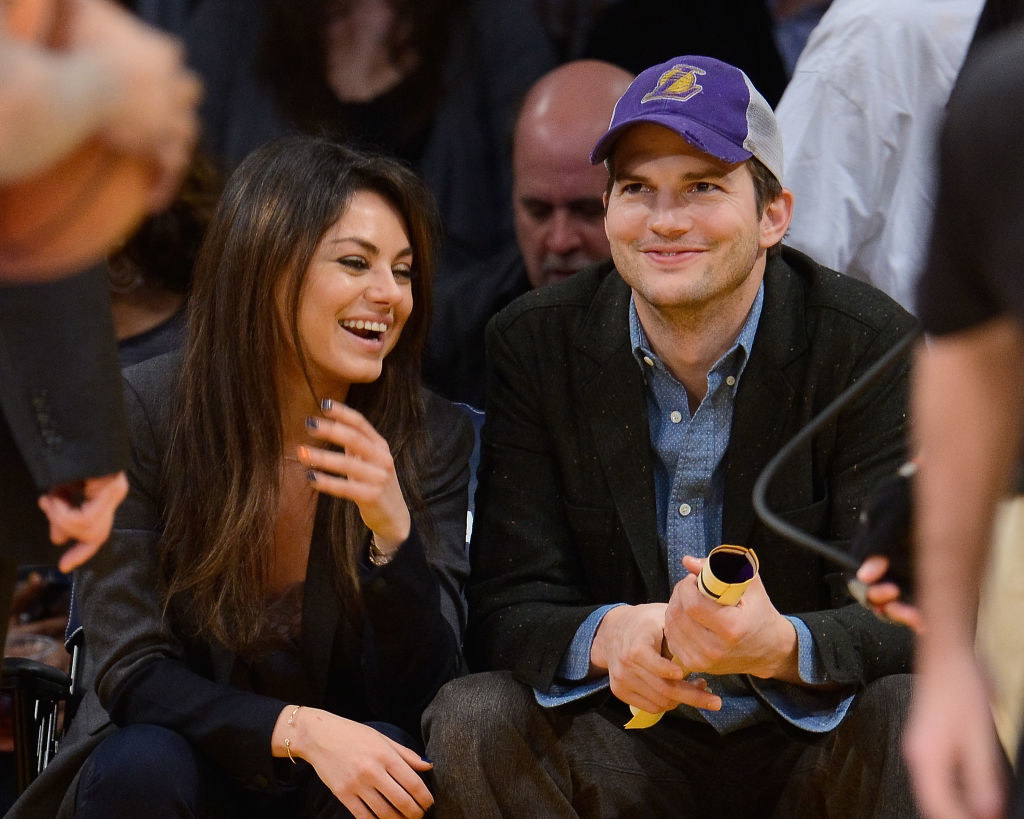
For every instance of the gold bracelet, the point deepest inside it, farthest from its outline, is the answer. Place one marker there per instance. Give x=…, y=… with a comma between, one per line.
x=288, y=740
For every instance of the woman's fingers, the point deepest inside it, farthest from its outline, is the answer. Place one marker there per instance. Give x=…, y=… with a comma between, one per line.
x=342, y=464
x=347, y=428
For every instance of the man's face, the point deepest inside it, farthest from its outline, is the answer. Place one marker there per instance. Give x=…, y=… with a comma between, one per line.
x=559, y=215
x=683, y=226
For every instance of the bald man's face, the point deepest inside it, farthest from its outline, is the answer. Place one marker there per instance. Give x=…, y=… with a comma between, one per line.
x=559, y=216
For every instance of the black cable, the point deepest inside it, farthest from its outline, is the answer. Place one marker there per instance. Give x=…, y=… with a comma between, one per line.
x=838, y=404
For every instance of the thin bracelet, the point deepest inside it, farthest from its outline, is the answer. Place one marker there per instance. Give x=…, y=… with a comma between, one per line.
x=288, y=740
x=378, y=557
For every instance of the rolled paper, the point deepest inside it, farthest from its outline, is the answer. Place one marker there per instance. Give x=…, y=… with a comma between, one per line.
x=724, y=577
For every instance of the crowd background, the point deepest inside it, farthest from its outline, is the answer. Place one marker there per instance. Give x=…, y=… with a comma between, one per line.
x=440, y=84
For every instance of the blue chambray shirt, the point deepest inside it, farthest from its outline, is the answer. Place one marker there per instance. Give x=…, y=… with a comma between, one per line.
x=689, y=488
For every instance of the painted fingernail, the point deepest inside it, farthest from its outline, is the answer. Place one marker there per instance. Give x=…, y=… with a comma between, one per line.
x=326, y=404
x=303, y=453
x=312, y=422
x=311, y=476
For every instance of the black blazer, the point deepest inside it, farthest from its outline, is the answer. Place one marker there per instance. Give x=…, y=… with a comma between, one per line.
x=565, y=510
x=61, y=411
x=149, y=669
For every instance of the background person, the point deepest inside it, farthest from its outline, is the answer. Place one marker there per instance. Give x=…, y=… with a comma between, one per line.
x=968, y=406
x=62, y=439
x=559, y=219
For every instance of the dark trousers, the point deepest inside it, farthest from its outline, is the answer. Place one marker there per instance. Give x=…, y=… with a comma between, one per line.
x=154, y=772
x=497, y=753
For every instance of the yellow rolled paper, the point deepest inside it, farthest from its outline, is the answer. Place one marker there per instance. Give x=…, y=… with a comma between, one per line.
x=724, y=577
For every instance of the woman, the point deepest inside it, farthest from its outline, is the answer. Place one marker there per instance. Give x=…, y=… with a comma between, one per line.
x=283, y=585
x=434, y=82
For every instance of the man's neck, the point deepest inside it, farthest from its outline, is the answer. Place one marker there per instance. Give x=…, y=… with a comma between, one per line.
x=690, y=342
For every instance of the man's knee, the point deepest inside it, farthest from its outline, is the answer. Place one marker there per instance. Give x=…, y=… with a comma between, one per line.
x=474, y=708
x=880, y=710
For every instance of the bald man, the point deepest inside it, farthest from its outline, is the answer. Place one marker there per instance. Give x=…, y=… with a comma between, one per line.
x=559, y=215
x=559, y=219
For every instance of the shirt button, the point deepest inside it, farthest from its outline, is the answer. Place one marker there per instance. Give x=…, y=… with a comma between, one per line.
x=684, y=509
x=676, y=416
x=730, y=380
x=648, y=361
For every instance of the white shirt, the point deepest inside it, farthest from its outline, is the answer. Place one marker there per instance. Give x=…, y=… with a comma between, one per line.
x=859, y=120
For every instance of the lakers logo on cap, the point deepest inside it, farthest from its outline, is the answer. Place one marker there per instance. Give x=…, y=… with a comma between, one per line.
x=678, y=83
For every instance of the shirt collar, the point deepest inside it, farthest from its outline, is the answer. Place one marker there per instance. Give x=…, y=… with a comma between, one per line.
x=646, y=356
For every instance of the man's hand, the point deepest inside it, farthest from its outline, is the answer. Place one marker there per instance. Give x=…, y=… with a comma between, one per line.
x=155, y=108
x=950, y=741
x=748, y=638
x=88, y=524
x=885, y=597
x=628, y=644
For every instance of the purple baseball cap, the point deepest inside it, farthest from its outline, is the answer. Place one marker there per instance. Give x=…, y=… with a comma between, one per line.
x=710, y=104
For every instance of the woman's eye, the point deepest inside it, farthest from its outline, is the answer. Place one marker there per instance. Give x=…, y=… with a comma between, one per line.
x=403, y=272
x=354, y=262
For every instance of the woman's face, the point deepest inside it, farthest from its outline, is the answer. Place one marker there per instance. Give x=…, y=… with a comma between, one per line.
x=357, y=295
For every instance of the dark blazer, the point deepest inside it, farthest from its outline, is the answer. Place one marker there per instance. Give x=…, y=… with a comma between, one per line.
x=149, y=669
x=61, y=411
x=565, y=510
x=61, y=416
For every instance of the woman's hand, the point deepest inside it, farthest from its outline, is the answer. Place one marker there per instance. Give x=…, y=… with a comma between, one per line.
x=363, y=471
x=371, y=774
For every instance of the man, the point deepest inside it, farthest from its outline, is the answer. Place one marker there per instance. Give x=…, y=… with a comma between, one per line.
x=630, y=410
x=62, y=439
x=556, y=192
x=968, y=409
x=559, y=219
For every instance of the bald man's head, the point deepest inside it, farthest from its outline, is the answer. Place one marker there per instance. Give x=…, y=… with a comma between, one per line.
x=559, y=214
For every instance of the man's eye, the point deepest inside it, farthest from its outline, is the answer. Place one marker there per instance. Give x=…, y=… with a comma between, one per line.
x=538, y=211
x=588, y=209
x=704, y=187
x=632, y=188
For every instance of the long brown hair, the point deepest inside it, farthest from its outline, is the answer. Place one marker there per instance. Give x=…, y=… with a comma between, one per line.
x=221, y=475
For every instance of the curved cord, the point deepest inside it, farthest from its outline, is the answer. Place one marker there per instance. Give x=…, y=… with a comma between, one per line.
x=839, y=403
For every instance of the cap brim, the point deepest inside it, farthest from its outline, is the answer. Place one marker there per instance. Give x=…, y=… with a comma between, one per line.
x=699, y=136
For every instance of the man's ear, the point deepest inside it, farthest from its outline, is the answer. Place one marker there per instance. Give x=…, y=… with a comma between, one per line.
x=776, y=218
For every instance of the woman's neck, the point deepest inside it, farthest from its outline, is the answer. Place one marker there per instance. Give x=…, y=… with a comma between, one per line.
x=299, y=401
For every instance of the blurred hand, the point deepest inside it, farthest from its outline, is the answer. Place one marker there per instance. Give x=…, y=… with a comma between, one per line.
x=369, y=773
x=88, y=524
x=363, y=472
x=155, y=114
x=628, y=644
x=884, y=597
x=950, y=742
x=748, y=638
